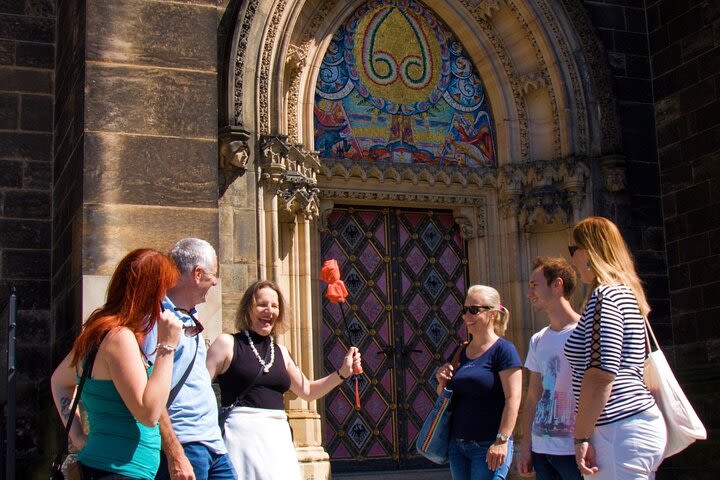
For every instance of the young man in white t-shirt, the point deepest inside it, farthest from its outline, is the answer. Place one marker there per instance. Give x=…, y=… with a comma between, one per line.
x=548, y=417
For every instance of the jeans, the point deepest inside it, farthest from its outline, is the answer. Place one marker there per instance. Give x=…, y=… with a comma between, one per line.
x=467, y=460
x=206, y=464
x=555, y=467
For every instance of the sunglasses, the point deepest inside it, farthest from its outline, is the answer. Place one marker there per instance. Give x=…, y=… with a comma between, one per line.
x=475, y=309
x=572, y=249
x=191, y=330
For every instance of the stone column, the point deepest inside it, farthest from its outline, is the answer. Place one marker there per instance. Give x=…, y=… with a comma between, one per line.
x=290, y=194
x=146, y=163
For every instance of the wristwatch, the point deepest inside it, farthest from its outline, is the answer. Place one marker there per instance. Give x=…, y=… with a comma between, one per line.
x=502, y=438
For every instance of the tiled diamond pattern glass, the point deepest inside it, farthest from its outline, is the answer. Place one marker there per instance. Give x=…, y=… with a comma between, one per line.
x=406, y=273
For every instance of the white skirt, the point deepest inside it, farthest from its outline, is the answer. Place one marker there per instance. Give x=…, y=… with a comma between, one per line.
x=260, y=445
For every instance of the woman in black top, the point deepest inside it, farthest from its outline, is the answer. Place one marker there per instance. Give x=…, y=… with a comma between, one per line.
x=257, y=433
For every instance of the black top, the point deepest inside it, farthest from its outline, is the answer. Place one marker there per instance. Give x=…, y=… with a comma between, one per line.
x=269, y=389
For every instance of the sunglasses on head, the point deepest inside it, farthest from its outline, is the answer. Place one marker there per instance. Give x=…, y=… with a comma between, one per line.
x=475, y=309
x=572, y=249
x=191, y=330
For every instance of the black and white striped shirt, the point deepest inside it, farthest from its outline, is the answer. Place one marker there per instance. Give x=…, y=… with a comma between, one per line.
x=612, y=339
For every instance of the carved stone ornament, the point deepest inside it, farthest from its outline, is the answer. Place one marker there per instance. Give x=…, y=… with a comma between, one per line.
x=234, y=149
x=543, y=191
x=613, y=171
x=533, y=81
x=389, y=172
x=466, y=227
x=294, y=64
x=484, y=8
x=243, y=37
x=291, y=172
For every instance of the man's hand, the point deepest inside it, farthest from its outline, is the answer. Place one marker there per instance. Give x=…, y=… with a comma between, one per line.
x=179, y=467
x=525, y=465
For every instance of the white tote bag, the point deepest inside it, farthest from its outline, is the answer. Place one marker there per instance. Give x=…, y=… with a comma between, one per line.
x=683, y=424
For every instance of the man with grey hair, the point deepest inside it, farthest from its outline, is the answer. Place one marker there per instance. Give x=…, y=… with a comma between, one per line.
x=191, y=440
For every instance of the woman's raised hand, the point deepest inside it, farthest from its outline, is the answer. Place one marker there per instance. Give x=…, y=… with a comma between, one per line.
x=443, y=375
x=169, y=329
x=352, y=363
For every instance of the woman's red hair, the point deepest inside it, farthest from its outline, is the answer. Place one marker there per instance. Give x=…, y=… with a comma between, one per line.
x=136, y=289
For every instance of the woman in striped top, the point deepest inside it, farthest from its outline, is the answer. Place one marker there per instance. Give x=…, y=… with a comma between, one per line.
x=619, y=431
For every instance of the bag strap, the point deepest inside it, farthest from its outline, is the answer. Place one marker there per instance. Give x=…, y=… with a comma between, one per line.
x=649, y=334
x=239, y=398
x=176, y=389
x=86, y=373
x=455, y=362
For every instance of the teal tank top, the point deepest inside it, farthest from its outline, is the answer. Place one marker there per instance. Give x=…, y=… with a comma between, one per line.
x=117, y=442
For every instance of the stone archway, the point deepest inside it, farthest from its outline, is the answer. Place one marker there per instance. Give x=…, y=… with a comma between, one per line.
x=556, y=146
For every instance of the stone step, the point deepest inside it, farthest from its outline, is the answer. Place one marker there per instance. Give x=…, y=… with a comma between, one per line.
x=433, y=474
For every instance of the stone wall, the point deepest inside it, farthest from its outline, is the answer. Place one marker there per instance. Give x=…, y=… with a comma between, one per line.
x=27, y=51
x=684, y=42
x=622, y=30
x=665, y=60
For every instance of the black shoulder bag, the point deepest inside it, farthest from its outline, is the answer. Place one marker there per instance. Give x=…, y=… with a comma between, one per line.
x=224, y=412
x=56, y=467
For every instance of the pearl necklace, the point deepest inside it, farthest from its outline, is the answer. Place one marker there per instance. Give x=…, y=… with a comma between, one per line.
x=266, y=366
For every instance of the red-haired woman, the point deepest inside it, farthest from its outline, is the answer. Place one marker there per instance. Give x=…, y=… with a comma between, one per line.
x=122, y=396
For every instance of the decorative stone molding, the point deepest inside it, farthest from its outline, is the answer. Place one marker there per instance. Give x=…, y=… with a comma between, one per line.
x=326, y=208
x=518, y=96
x=547, y=191
x=510, y=193
x=294, y=64
x=483, y=8
x=588, y=58
x=571, y=70
x=239, y=68
x=599, y=70
x=467, y=231
x=401, y=173
x=541, y=75
x=533, y=81
x=546, y=203
x=264, y=91
x=340, y=195
x=613, y=170
x=291, y=172
x=481, y=219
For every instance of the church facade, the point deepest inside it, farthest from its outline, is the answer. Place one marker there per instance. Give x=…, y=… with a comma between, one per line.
x=426, y=146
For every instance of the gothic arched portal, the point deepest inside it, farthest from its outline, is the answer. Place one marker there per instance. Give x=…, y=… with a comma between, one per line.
x=488, y=125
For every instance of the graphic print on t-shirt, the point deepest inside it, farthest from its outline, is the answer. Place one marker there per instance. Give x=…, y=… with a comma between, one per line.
x=554, y=414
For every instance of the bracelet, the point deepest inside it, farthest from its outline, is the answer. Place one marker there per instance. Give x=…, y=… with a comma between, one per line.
x=164, y=348
x=580, y=441
x=340, y=374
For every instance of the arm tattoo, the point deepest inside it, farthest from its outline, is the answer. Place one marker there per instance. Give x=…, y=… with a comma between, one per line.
x=65, y=404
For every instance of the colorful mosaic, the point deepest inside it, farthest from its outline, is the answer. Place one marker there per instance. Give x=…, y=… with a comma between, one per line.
x=397, y=86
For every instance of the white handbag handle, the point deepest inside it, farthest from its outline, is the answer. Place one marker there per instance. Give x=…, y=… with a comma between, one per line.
x=648, y=335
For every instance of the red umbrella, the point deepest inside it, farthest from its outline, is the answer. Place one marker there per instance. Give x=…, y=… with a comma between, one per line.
x=337, y=293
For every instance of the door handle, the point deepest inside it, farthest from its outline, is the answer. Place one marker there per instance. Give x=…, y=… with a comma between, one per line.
x=406, y=351
x=386, y=351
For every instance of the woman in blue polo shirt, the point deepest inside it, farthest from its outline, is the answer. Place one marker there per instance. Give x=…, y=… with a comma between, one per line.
x=486, y=389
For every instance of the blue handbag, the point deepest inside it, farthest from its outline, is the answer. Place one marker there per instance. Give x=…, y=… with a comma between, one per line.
x=434, y=437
